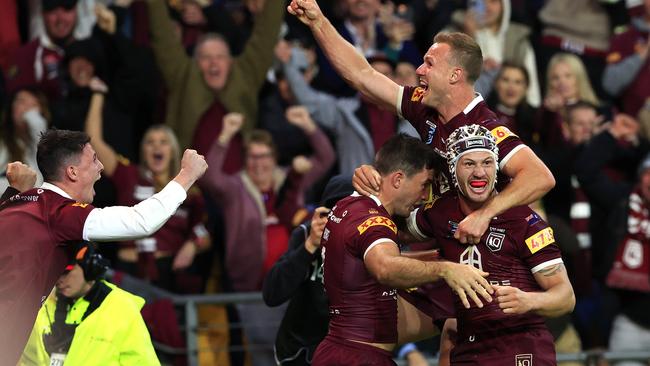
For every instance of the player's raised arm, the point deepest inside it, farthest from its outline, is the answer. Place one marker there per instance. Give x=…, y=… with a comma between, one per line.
x=347, y=61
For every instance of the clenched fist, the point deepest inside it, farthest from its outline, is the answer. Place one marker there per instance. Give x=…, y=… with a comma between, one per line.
x=193, y=166
x=21, y=176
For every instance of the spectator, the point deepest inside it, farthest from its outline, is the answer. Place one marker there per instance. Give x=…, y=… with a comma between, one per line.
x=567, y=83
x=297, y=277
x=627, y=74
x=359, y=127
x=278, y=97
x=262, y=203
x=501, y=39
x=9, y=32
x=212, y=84
x=581, y=27
x=66, y=332
x=429, y=18
x=508, y=101
x=629, y=272
x=369, y=33
x=165, y=257
x=618, y=146
x=37, y=62
x=20, y=130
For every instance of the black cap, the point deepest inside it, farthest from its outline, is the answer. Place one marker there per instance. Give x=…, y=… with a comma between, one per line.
x=338, y=187
x=49, y=5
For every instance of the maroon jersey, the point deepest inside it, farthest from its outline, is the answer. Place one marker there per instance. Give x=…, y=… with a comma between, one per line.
x=187, y=222
x=516, y=245
x=360, y=308
x=35, y=227
x=434, y=132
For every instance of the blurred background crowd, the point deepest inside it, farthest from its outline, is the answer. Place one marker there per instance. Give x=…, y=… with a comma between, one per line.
x=245, y=84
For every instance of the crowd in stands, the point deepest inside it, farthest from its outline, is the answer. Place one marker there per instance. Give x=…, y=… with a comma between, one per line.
x=245, y=85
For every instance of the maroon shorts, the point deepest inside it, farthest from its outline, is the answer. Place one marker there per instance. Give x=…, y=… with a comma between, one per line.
x=334, y=351
x=433, y=299
x=531, y=347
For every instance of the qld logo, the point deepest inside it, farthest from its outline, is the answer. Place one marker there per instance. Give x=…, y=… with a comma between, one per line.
x=494, y=241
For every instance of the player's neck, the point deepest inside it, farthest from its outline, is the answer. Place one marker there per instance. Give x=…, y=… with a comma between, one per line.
x=468, y=206
x=387, y=202
x=455, y=102
x=69, y=189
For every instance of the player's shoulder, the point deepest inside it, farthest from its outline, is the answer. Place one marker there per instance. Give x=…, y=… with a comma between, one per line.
x=441, y=205
x=522, y=217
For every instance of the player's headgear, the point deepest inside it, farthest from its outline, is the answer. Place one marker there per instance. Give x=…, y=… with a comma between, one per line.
x=466, y=139
x=92, y=263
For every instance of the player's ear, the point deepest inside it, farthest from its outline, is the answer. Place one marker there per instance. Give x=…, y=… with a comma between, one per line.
x=72, y=173
x=396, y=179
x=456, y=75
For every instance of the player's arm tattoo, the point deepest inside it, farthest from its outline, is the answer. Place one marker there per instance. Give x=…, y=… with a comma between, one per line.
x=552, y=270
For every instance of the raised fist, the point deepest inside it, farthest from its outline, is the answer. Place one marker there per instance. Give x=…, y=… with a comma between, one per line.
x=21, y=176
x=232, y=123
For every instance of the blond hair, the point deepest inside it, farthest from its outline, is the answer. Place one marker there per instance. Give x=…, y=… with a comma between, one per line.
x=585, y=90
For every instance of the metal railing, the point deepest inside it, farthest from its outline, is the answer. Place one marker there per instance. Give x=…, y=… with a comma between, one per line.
x=191, y=326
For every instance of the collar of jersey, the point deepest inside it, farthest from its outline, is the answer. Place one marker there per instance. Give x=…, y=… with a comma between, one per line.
x=478, y=98
x=373, y=197
x=55, y=189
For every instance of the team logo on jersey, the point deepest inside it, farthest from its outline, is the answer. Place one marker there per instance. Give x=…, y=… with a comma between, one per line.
x=377, y=221
x=525, y=359
x=79, y=204
x=540, y=239
x=372, y=211
x=494, y=241
x=501, y=133
x=431, y=132
x=417, y=94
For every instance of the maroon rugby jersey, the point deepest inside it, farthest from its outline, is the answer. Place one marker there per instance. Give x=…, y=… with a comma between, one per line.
x=360, y=308
x=187, y=222
x=35, y=227
x=517, y=244
x=434, y=132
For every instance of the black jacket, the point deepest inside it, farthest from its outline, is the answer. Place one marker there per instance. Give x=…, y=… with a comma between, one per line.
x=297, y=276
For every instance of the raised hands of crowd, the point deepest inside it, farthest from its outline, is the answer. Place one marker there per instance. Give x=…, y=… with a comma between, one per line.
x=396, y=28
x=318, y=222
x=554, y=102
x=192, y=12
x=299, y=116
x=106, y=19
x=232, y=124
x=20, y=176
x=96, y=85
x=625, y=128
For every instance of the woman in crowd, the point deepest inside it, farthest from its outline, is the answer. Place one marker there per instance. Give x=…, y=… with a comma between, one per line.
x=20, y=129
x=508, y=101
x=164, y=257
x=567, y=83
